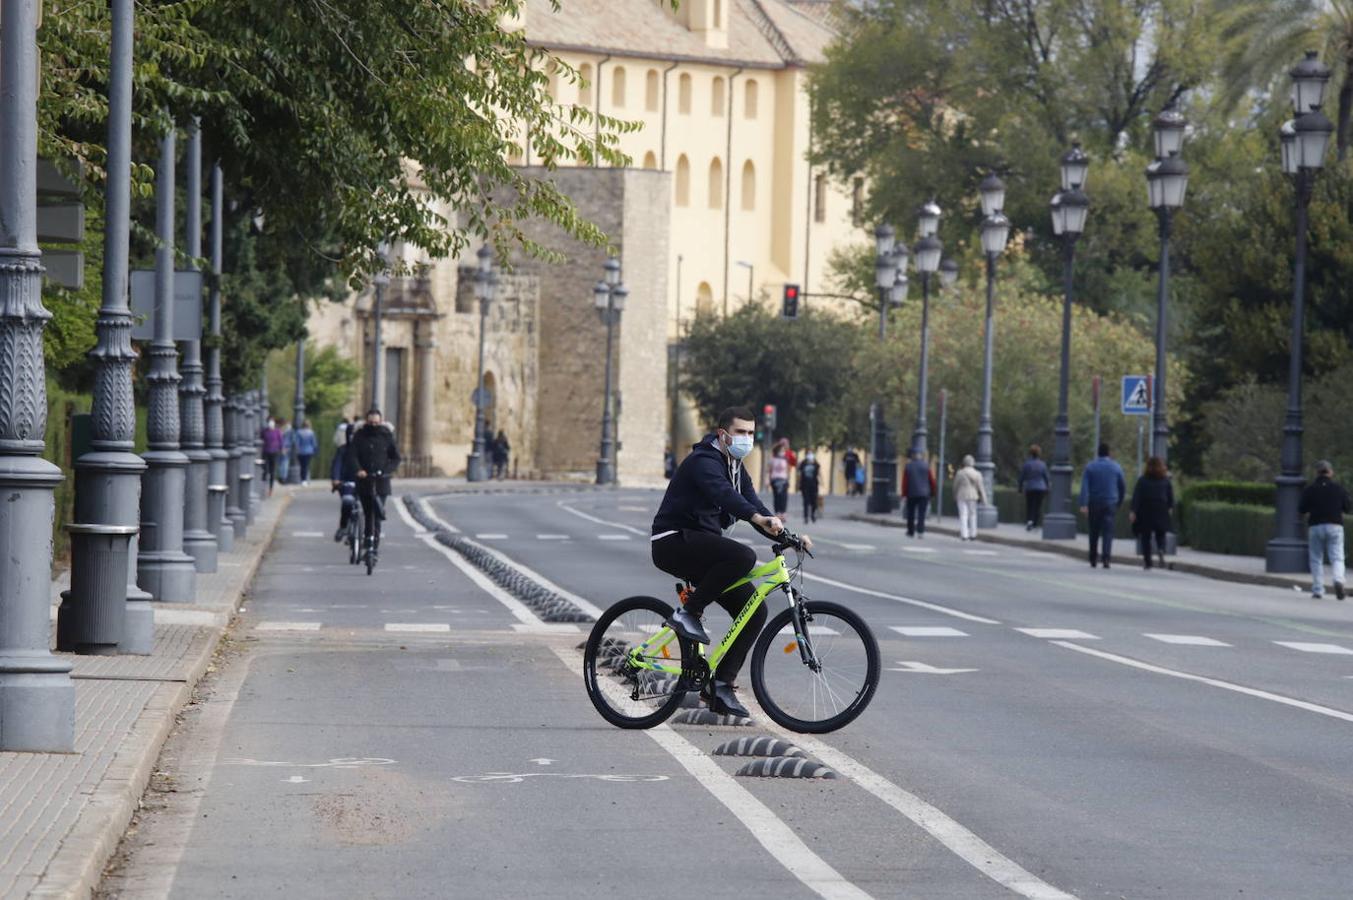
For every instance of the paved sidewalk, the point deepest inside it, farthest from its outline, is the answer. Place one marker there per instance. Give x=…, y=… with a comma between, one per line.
x=1221, y=566
x=62, y=815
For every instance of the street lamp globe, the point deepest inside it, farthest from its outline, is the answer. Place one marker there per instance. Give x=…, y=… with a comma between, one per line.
x=1169, y=128
x=1075, y=166
x=485, y=254
x=601, y=295
x=1058, y=214
x=1309, y=80
x=897, y=294
x=901, y=255
x=618, y=295
x=948, y=273
x=992, y=190
x=1075, y=208
x=1166, y=181
x=612, y=271
x=1314, y=130
x=929, y=218
x=995, y=234
x=491, y=287
x=928, y=251
x=883, y=239
x=885, y=270
x=1288, y=136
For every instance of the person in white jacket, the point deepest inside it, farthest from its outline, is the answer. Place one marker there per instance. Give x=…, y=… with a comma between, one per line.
x=969, y=490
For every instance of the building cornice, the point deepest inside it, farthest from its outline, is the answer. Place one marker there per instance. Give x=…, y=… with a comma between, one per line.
x=721, y=62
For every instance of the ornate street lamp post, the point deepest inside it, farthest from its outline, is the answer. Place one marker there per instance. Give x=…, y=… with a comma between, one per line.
x=485, y=288
x=880, y=459
x=1166, y=180
x=199, y=541
x=1305, y=142
x=995, y=234
x=609, y=297
x=1070, y=208
x=928, y=252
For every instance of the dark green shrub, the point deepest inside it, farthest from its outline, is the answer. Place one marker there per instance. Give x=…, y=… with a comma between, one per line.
x=1233, y=528
x=1243, y=493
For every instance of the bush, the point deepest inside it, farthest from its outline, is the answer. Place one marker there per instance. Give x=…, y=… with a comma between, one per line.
x=1243, y=493
x=1232, y=528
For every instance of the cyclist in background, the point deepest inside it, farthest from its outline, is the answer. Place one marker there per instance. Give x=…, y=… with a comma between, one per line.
x=343, y=477
x=708, y=495
x=375, y=455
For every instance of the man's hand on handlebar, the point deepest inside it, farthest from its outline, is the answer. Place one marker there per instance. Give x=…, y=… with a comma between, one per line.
x=769, y=524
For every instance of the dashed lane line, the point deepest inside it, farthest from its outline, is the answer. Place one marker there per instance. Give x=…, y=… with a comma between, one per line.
x=1191, y=640
x=1058, y=634
x=553, y=537
x=927, y=631
x=613, y=537
x=287, y=626
x=307, y=534
x=599, y=521
x=418, y=627
x=1212, y=682
x=922, y=604
x=491, y=536
x=1306, y=647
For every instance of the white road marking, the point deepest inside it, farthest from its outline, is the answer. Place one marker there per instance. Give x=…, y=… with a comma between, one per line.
x=1193, y=640
x=591, y=518
x=542, y=761
x=409, y=519
x=981, y=552
x=492, y=536
x=546, y=628
x=295, y=779
x=1062, y=634
x=514, y=606
x=552, y=537
x=928, y=631
x=287, y=626
x=920, y=668
x=869, y=592
x=918, y=549
x=843, y=545
x=1315, y=648
x=418, y=627
x=613, y=537
x=642, y=509
x=585, y=605
x=441, y=523
x=1213, y=682
x=859, y=548
x=765, y=826
x=309, y=534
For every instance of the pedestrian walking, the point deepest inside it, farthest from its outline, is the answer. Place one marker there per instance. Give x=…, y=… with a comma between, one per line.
x=969, y=491
x=307, y=445
x=779, y=480
x=288, y=445
x=851, y=460
x=858, y=485
x=272, y=449
x=1324, y=503
x=1152, y=505
x=810, y=475
x=500, y=452
x=1103, y=488
x=918, y=486
x=1033, y=484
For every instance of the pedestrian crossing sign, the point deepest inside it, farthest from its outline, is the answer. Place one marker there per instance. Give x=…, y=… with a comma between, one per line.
x=1136, y=395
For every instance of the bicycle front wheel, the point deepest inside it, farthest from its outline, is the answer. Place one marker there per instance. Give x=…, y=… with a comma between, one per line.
x=819, y=681
x=633, y=663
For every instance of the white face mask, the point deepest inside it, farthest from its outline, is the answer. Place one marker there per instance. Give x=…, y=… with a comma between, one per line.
x=740, y=446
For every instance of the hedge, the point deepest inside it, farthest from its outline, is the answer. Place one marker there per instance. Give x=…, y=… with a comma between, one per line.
x=1240, y=493
x=1234, y=528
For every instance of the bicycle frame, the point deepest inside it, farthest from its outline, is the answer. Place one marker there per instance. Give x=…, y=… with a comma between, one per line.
x=774, y=574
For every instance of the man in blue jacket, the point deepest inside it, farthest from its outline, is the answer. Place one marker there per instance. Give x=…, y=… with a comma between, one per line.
x=1102, y=491
x=709, y=494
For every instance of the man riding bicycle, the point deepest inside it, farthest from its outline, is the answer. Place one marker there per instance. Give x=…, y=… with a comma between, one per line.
x=375, y=455
x=343, y=479
x=708, y=495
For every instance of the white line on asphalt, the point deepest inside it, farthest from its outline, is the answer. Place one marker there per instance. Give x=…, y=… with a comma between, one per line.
x=287, y=626
x=613, y=537
x=585, y=605
x=591, y=518
x=514, y=606
x=959, y=840
x=928, y=631
x=843, y=545
x=1315, y=648
x=1213, y=682
x=933, y=607
x=642, y=509
x=981, y=552
x=311, y=534
x=919, y=549
x=552, y=537
x=441, y=523
x=547, y=628
x=408, y=519
x=418, y=627
x=1193, y=640
x=765, y=826
x=746, y=542
x=491, y=537
x=1064, y=634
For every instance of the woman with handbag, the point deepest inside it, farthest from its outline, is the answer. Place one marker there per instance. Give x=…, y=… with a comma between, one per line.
x=1152, y=505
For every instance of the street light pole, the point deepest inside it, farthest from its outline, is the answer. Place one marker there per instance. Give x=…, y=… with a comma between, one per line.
x=1167, y=180
x=995, y=234
x=377, y=341
x=882, y=466
x=609, y=297
x=485, y=285
x=928, y=253
x=1305, y=141
x=37, y=699
x=219, y=518
x=297, y=412
x=198, y=541
x=1070, y=207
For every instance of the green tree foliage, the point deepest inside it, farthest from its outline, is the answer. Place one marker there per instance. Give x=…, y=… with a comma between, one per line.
x=330, y=379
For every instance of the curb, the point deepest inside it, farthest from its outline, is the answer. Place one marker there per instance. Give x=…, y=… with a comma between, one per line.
x=77, y=866
x=1076, y=551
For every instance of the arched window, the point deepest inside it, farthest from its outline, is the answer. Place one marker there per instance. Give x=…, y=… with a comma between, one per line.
x=749, y=98
x=716, y=97
x=651, y=91
x=748, y=186
x=651, y=161
x=585, y=84
x=683, y=181
x=618, y=87
x=684, y=95
x=715, y=184
x=704, y=299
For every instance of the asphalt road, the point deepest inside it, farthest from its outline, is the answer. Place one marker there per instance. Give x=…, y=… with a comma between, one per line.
x=1042, y=729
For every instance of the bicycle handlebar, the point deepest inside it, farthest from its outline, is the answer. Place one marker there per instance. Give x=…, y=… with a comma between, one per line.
x=788, y=539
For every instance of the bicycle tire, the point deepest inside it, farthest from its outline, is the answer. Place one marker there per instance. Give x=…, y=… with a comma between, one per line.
x=847, y=617
x=597, y=656
x=352, y=540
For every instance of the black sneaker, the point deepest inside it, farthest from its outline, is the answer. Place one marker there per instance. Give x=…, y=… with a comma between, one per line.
x=687, y=625
x=722, y=698
x=1339, y=589
x=338, y=535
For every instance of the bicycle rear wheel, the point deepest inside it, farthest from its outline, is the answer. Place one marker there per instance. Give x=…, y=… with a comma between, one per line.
x=819, y=681
x=633, y=663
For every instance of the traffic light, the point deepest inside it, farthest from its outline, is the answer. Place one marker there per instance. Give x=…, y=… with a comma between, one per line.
x=791, y=302
x=768, y=416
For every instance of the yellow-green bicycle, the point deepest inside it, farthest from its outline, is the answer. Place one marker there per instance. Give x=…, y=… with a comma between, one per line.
x=814, y=667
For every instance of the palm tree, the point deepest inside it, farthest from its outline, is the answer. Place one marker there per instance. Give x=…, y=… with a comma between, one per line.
x=1263, y=39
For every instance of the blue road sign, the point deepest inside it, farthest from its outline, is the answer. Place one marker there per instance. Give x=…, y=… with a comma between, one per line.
x=1136, y=395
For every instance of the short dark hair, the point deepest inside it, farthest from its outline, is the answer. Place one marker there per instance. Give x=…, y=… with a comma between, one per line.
x=1103, y=449
x=373, y=411
x=1035, y=451
x=734, y=412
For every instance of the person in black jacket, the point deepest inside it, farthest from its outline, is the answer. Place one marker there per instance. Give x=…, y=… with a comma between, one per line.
x=810, y=474
x=708, y=495
x=1152, y=504
x=1324, y=503
x=374, y=452
x=343, y=479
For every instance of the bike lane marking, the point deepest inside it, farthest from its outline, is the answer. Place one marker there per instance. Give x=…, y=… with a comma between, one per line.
x=933, y=607
x=769, y=830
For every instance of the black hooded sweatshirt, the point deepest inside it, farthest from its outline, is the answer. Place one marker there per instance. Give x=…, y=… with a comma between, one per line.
x=703, y=495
